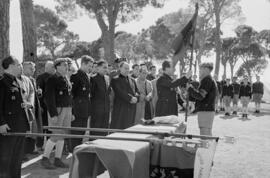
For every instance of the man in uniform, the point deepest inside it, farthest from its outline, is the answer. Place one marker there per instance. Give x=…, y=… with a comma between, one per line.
x=13, y=118
x=205, y=96
x=100, y=98
x=58, y=101
x=41, y=85
x=81, y=98
x=166, y=90
x=126, y=96
x=257, y=93
x=236, y=90
x=245, y=96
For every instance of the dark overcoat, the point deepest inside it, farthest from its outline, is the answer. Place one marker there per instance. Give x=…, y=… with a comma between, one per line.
x=123, y=114
x=100, y=99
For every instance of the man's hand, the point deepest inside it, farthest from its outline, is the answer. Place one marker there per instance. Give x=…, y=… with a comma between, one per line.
x=4, y=128
x=133, y=100
x=148, y=98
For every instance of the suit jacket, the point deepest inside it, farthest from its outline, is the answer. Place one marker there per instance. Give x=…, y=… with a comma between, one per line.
x=11, y=111
x=81, y=94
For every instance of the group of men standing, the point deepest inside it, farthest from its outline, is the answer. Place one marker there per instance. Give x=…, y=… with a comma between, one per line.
x=93, y=94
x=231, y=92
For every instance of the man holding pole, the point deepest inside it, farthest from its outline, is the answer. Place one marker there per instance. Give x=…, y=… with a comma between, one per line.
x=205, y=96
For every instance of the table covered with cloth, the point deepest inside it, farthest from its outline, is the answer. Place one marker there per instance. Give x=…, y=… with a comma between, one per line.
x=133, y=159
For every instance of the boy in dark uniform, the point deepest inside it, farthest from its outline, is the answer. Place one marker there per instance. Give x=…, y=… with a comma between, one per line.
x=166, y=90
x=13, y=118
x=205, y=96
x=81, y=98
x=257, y=93
x=245, y=96
x=236, y=90
x=58, y=100
x=227, y=95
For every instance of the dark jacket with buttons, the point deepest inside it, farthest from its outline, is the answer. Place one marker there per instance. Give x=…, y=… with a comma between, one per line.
x=227, y=90
x=205, y=95
x=236, y=88
x=11, y=111
x=81, y=94
x=245, y=90
x=257, y=88
x=57, y=94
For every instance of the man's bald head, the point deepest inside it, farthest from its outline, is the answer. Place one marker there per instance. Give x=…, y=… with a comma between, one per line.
x=49, y=67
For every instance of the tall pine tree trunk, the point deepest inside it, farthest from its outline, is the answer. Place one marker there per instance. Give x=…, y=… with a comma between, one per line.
x=28, y=31
x=4, y=30
x=108, y=46
x=217, y=37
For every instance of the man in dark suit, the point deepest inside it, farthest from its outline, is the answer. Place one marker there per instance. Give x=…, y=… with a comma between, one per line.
x=41, y=85
x=13, y=118
x=81, y=98
x=166, y=90
x=125, y=99
x=100, y=98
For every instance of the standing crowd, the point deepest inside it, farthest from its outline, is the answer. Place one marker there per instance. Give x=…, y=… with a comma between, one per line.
x=97, y=96
x=231, y=92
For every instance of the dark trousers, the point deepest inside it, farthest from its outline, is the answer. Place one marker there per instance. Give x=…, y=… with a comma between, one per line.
x=78, y=122
x=40, y=140
x=11, y=153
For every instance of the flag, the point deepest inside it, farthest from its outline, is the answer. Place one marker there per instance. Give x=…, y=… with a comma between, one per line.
x=184, y=38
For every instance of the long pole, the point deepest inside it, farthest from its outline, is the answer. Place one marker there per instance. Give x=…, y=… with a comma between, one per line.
x=164, y=134
x=101, y=137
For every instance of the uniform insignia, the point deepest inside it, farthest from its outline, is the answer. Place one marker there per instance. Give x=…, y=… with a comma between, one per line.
x=13, y=97
x=60, y=93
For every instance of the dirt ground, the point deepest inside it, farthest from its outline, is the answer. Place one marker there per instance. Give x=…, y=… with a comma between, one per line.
x=248, y=157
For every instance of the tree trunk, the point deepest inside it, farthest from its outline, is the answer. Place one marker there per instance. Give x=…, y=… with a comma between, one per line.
x=4, y=30
x=225, y=69
x=108, y=45
x=217, y=37
x=28, y=31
